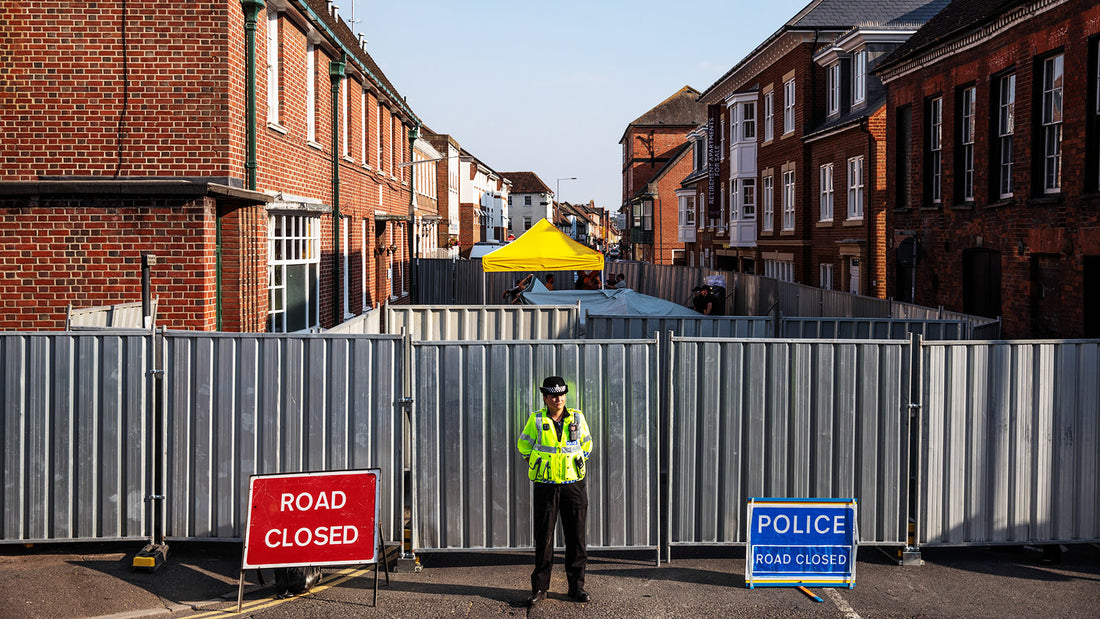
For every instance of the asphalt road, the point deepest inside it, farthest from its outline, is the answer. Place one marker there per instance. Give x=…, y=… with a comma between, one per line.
x=200, y=581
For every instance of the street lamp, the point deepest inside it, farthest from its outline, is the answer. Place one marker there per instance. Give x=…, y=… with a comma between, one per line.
x=557, y=191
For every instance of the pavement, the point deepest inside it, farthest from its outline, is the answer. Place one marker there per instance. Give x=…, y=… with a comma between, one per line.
x=199, y=580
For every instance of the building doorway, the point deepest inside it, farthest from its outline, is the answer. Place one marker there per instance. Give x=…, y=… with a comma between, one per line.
x=982, y=282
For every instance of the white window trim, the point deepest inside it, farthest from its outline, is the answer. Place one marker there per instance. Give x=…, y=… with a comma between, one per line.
x=827, y=201
x=300, y=244
x=748, y=203
x=344, y=148
x=767, y=199
x=859, y=77
x=311, y=92
x=273, y=112
x=826, y=276
x=363, y=262
x=769, y=116
x=1006, y=129
x=832, y=86
x=856, y=194
x=788, y=106
x=935, y=146
x=1053, y=106
x=788, y=200
x=967, y=126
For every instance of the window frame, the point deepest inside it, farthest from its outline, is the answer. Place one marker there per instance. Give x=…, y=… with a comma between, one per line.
x=1051, y=122
x=1005, y=132
x=825, y=276
x=747, y=112
x=274, y=68
x=769, y=115
x=967, y=117
x=832, y=89
x=311, y=92
x=826, y=192
x=859, y=77
x=747, y=207
x=788, y=200
x=856, y=193
x=788, y=106
x=767, y=198
x=298, y=244
x=934, y=141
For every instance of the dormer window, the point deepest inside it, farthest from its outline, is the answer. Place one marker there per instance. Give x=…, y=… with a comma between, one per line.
x=832, y=85
x=700, y=154
x=859, y=77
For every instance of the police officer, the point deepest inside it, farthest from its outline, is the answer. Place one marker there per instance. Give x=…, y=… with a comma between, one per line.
x=556, y=444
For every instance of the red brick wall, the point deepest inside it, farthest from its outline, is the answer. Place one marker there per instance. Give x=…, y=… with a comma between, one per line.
x=66, y=109
x=179, y=110
x=1034, y=235
x=787, y=149
x=866, y=139
x=58, y=251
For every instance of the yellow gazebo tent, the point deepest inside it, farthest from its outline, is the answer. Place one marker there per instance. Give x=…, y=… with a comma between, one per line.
x=543, y=248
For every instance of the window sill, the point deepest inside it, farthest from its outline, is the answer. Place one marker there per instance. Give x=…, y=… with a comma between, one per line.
x=277, y=127
x=313, y=144
x=787, y=233
x=348, y=159
x=1047, y=200
x=826, y=223
x=851, y=223
x=1006, y=201
x=1090, y=199
x=963, y=206
x=931, y=207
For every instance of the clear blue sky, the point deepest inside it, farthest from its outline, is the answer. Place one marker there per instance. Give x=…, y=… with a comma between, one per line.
x=549, y=87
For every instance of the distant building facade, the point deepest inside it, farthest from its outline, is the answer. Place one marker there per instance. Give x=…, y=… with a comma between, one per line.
x=653, y=144
x=530, y=200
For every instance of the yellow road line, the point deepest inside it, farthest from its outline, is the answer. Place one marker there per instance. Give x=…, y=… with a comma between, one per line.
x=343, y=575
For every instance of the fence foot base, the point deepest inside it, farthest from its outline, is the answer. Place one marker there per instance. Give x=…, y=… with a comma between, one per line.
x=911, y=558
x=150, y=558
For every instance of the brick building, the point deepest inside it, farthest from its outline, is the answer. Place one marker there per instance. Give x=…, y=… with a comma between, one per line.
x=768, y=119
x=652, y=145
x=994, y=123
x=275, y=202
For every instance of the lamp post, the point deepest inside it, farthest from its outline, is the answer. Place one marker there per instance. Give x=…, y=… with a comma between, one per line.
x=557, y=191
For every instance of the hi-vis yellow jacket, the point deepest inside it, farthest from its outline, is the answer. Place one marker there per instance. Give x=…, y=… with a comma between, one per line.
x=551, y=458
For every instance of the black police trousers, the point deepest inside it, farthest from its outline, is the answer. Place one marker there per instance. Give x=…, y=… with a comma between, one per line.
x=571, y=502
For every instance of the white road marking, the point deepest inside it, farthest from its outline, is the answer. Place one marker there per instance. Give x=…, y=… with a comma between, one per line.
x=841, y=604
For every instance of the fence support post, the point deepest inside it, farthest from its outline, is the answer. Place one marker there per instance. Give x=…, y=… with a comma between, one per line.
x=912, y=555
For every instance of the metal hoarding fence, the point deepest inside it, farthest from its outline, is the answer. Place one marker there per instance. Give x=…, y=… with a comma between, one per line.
x=1010, y=443
x=73, y=435
x=470, y=485
x=872, y=328
x=243, y=404
x=484, y=322
x=786, y=418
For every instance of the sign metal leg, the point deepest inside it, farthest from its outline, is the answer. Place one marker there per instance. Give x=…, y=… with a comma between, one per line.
x=240, y=591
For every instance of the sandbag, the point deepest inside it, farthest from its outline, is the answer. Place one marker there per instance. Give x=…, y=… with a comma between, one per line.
x=295, y=580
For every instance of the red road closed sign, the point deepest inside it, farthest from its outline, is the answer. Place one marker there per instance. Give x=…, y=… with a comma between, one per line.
x=325, y=518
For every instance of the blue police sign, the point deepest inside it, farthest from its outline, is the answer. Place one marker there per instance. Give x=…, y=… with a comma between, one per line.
x=799, y=542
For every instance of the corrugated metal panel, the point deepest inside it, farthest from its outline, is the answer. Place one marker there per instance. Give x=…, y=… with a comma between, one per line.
x=74, y=433
x=786, y=418
x=367, y=323
x=242, y=404
x=480, y=322
x=1011, y=443
x=872, y=328
x=472, y=399
x=640, y=327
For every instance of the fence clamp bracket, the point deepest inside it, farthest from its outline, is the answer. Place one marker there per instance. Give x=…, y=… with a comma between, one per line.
x=405, y=404
x=153, y=372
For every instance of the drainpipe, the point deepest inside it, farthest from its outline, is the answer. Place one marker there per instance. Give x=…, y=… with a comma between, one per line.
x=414, y=133
x=336, y=75
x=251, y=11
